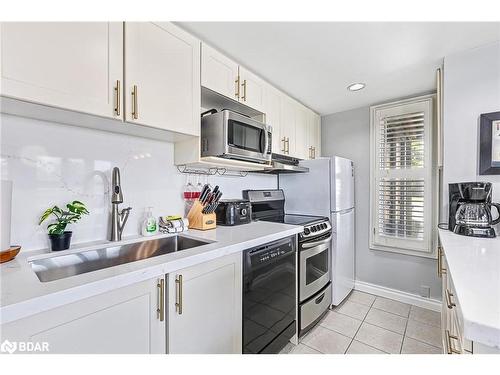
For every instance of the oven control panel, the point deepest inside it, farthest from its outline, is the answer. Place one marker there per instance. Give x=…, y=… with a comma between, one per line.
x=316, y=229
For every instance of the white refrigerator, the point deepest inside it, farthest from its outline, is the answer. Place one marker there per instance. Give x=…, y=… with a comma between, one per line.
x=328, y=190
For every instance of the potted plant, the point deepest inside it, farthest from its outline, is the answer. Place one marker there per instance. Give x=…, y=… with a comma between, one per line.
x=60, y=239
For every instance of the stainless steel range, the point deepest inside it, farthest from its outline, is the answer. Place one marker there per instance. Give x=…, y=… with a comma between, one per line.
x=314, y=248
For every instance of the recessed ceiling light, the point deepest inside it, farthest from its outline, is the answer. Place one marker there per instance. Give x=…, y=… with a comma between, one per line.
x=356, y=86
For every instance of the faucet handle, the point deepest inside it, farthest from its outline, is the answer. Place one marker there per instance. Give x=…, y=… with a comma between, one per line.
x=125, y=210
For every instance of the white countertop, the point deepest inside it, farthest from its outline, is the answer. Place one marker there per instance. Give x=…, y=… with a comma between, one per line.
x=23, y=294
x=474, y=266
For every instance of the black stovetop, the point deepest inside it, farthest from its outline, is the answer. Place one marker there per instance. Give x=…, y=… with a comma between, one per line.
x=294, y=219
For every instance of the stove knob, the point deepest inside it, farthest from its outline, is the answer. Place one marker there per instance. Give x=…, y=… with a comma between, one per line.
x=323, y=226
x=243, y=212
x=306, y=231
x=318, y=227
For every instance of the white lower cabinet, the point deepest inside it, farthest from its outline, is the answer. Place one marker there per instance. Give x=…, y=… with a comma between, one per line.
x=204, y=307
x=121, y=321
x=453, y=339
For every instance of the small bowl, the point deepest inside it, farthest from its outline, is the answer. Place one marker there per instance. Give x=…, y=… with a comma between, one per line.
x=10, y=254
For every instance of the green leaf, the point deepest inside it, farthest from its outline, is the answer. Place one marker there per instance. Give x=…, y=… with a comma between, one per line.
x=45, y=215
x=57, y=228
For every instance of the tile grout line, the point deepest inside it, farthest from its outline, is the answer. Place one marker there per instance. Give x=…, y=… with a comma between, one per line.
x=352, y=340
x=404, y=333
x=370, y=307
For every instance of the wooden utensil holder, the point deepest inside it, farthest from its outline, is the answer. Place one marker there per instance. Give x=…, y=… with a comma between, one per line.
x=199, y=220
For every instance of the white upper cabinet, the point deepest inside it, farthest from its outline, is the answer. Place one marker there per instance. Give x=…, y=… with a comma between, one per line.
x=73, y=65
x=272, y=104
x=224, y=76
x=252, y=89
x=317, y=135
x=162, y=77
x=287, y=125
x=314, y=141
x=218, y=72
x=301, y=132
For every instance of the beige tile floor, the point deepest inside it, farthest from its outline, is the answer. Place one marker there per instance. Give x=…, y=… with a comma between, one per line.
x=367, y=324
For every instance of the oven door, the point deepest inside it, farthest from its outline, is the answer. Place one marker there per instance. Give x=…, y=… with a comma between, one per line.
x=314, y=271
x=248, y=139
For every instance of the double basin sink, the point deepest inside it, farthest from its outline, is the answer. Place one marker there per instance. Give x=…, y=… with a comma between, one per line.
x=60, y=267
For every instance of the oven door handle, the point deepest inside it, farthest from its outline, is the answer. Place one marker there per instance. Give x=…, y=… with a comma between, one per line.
x=308, y=245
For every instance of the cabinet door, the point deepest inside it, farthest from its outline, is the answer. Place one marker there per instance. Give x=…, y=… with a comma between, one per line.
x=207, y=317
x=313, y=146
x=287, y=124
x=70, y=65
x=252, y=89
x=162, y=77
x=273, y=117
x=121, y=321
x=317, y=135
x=218, y=73
x=301, y=132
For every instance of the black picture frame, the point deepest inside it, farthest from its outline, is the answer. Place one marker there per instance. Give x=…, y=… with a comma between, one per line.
x=487, y=166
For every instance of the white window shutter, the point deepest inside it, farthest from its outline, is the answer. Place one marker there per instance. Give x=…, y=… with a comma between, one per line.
x=402, y=176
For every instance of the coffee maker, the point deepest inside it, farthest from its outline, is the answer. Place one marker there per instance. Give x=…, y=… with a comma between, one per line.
x=470, y=209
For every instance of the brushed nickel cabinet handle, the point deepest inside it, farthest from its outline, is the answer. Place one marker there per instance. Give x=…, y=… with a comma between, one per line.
x=178, y=303
x=161, y=300
x=448, y=296
x=135, y=114
x=288, y=146
x=244, y=85
x=237, y=83
x=118, y=98
x=284, y=144
x=449, y=347
x=314, y=152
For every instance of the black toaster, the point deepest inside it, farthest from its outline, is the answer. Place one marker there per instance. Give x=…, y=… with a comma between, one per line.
x=233, y=212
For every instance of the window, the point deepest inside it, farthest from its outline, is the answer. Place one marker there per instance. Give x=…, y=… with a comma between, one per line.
x=402, y=183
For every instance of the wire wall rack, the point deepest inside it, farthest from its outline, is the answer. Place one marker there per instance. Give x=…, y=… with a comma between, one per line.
x=212, y=171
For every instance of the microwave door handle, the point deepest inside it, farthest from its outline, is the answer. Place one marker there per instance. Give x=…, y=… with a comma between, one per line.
x=262, y=141
x=266, y=141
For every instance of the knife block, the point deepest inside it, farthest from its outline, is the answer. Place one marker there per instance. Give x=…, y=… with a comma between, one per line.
x=199, y=220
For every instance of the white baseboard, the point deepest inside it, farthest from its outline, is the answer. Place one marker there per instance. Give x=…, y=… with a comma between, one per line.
x=398, y=295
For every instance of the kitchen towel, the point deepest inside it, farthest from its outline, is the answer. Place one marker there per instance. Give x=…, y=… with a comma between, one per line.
x=169, y=224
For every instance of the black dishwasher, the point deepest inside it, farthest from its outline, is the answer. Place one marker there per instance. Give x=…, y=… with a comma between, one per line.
x=269, y=296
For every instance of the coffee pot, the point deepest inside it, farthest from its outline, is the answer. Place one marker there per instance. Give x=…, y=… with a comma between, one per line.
x=470, y=209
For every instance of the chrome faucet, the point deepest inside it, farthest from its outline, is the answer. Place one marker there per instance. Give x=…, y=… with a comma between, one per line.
x=118, y=219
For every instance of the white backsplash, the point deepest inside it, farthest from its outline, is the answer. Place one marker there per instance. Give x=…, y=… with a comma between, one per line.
x=52, y=164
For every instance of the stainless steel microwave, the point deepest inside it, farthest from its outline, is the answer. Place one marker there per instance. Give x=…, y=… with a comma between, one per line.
x=230, y=135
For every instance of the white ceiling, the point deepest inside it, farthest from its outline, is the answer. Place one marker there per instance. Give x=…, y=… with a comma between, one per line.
x=315, y=62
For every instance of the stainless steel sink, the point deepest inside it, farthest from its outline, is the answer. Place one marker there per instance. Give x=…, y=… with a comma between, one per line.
x=63, y=266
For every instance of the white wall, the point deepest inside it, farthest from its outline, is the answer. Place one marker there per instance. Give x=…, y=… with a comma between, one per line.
x=347, y=134
x=471, y=87
x=52, y=164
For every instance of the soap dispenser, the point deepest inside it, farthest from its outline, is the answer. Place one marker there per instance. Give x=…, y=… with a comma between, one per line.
x=149, y=226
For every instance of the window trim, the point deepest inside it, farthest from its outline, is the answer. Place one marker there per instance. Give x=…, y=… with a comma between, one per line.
x=431, y=176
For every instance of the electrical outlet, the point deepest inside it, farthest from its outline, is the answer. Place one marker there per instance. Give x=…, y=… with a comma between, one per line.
x=425, y=291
